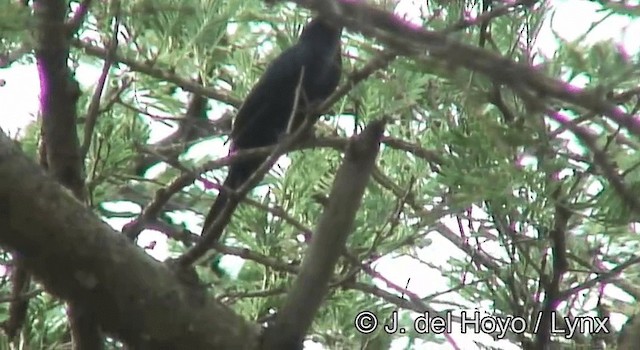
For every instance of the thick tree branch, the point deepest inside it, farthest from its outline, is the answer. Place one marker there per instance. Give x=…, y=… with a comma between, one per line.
x=165, y=146
x=414, y=41
x=327, y=242
x=77, y=257
x=59, y=93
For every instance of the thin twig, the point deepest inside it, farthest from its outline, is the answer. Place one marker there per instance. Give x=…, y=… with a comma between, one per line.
x=94, y=106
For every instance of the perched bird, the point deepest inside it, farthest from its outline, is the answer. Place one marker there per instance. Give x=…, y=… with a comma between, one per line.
x=264, y=115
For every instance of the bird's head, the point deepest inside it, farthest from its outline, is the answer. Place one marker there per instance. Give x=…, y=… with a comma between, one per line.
x=318, y=29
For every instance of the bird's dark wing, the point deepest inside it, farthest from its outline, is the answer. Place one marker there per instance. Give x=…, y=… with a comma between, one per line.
x=260, y=118
x=259, y=121
x=267, y=109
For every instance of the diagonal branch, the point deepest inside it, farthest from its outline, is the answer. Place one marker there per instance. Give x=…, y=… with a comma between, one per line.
x=327, y=242
x=414, y=42
x=76, y=256
x=74, y=24
x=600, y=158
x=94, y=106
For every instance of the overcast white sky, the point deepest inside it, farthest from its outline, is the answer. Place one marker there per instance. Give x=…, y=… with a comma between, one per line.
x=19, y=99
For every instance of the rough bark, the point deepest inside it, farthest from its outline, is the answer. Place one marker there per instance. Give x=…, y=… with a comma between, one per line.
x=327, y=243
x=77, y=257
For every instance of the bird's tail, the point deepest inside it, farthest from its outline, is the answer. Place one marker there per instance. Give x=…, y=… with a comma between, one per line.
x=236, y=177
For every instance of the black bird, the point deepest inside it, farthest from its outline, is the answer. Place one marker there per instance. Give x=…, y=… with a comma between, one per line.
x=264, y=115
